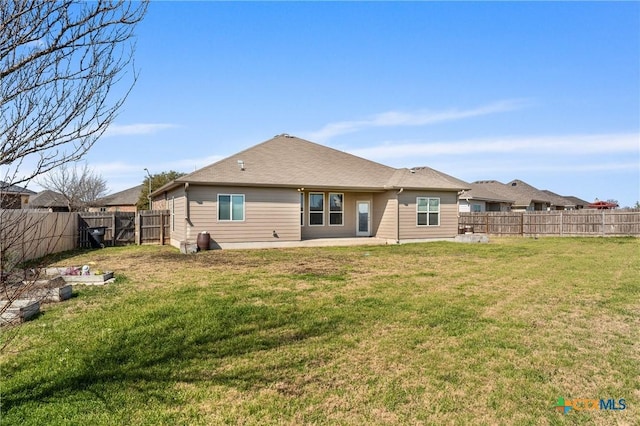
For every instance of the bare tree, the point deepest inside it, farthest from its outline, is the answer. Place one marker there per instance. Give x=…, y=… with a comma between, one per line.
x=60, y=61
x=80, y=187
x=66, y=68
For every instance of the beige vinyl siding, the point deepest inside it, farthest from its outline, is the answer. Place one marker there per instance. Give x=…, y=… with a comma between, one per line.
x=265, y=210
x=347, y=230
x=178, y=219
x=448, y=227
x=385, y=212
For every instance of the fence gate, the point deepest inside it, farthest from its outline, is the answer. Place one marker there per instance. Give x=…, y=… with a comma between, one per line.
x=125, y=228
x=122, y=228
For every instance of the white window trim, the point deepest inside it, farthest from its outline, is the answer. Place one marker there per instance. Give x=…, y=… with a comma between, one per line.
x=428, y=211
x=335, y=212
x=244, y=213
x=316, y=211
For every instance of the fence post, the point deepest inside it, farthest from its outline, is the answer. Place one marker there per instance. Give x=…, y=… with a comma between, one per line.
x=138, y=229
x=161, y=228
x=522, y=224
x=113, y=229
x=561, y=225
x=604, y=229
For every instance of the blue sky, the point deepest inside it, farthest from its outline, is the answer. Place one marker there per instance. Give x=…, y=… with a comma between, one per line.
x=545, y=92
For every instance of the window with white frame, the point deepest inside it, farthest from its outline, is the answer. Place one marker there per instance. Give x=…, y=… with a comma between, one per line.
x=230, y=207
x=302, y=209
x=316, y=208
x=428, y=211
x=336, y=209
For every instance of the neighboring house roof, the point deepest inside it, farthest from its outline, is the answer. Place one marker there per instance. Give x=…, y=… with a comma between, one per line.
x=577, y=201
x=521, y=192
x=7, y=188
x=482, y=193
x=559, y=200
x=288, y=161
x=128, y=197
x=47, y=199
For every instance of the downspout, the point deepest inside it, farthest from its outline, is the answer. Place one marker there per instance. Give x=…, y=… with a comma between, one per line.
x=398, y=215
x=187, y=214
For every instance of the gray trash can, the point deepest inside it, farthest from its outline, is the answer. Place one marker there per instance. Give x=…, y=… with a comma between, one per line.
x=96, y=236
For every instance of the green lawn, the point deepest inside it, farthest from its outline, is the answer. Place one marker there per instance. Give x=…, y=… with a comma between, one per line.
x=436, y=333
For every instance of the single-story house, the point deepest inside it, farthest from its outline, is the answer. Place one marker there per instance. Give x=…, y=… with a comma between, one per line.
x=123, y=201
x=482, y=199
x=562, y=202
x=14, y=196
x=50, y=200
x=579, y=203
x=525, y=196
x=290, y=189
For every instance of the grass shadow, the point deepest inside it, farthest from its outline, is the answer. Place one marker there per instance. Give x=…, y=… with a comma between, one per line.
x=155, y=350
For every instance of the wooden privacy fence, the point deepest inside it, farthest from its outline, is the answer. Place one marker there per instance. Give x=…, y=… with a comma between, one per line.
x=27, y=234
x=153, y=227
x=122, y=228
x=554, y=223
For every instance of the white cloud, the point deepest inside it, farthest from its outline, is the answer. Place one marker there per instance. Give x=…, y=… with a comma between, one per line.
x=189, y=165
x=415, y=118
x=121, y=175
x=137, y=129
x=119, y=169
x=535, y=145
x=115, y=168
x=489, y=169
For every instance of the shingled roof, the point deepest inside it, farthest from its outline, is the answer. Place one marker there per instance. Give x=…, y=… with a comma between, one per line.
x=481, y=192
x=579, y=202
x=288, y=161
x=521, y=192
x=48, y=199
x=435, y=178
x=7, y=188
x=559, y=200
x=128, y=197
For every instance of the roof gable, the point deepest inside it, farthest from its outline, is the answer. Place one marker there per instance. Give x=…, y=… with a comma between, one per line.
x=288, y=161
